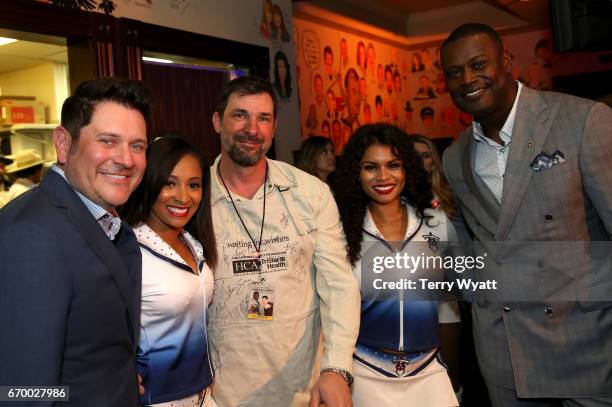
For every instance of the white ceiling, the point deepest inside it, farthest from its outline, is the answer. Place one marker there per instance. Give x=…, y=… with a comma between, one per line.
x=24, y=54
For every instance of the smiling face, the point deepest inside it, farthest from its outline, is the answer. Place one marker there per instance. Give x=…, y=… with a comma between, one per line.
x=382, y=175
x=179, y=199
x=107, y=161
x=247, y=128
x=478, y=76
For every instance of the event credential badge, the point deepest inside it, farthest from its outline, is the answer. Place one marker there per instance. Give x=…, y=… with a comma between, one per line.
x=261, y=303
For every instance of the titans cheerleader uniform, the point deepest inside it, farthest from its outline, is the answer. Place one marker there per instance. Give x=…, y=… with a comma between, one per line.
x=412, y=374
x=173, y=350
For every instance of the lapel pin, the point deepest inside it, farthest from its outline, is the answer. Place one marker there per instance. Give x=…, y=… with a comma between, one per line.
x=529, y=144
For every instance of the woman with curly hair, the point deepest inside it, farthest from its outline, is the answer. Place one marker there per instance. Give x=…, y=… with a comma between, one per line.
x=384, y=195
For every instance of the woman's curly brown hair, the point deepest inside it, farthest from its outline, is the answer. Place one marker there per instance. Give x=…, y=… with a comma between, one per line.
x=353, y=201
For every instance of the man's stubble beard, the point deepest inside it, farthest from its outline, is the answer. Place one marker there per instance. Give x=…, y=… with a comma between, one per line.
x=242, y=157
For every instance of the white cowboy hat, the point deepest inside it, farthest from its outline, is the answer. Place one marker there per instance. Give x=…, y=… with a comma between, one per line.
x=24, y=159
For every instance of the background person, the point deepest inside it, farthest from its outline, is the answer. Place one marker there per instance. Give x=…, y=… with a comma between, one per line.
x=170, y=213
x=4, y=182
x=443, y=194
x=384, y=195
x=26, y=170
x=443, y=199
x=317, y=157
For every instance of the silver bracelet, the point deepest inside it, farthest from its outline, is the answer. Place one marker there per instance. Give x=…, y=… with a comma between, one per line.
x=348, y=378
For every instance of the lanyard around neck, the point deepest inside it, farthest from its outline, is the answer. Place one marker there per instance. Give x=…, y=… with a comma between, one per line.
x=257, y=246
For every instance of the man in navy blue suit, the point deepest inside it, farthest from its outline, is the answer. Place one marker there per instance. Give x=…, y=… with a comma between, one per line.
x=70, y=277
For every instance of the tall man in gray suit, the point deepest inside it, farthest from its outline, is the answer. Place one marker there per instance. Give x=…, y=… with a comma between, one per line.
x=534, y=168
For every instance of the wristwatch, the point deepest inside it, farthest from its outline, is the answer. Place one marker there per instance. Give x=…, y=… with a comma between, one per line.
x=348, y=378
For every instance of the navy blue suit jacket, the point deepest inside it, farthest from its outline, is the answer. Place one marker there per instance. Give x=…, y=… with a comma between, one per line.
x=69, y=298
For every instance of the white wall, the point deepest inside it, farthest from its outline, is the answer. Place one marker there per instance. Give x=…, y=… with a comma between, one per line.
x=48, y=82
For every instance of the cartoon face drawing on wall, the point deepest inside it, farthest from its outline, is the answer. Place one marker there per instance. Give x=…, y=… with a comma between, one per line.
x=362, y=61
x=389, y=79
x=344, y=52
x=367, y=114
x=371, y=59
x=318, y=87
x=328, y=61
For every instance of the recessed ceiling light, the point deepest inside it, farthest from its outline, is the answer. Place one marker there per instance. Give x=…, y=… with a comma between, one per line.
x=4, y=40
x=160, y=60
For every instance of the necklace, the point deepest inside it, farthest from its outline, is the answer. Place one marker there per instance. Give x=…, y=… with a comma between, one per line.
x=257, y=246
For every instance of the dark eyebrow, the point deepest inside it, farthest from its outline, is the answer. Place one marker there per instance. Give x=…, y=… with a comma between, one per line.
x=469, y=60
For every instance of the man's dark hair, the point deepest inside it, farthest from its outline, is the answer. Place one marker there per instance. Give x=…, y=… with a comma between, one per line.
x=469, y=29
x=162, y=156
x=244, y=86
x=78, y=109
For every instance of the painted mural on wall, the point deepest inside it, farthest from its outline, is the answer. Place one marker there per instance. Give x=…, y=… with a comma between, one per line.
x=346, y=81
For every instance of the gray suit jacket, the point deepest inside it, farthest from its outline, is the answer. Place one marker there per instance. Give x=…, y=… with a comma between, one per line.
x=542, y=332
